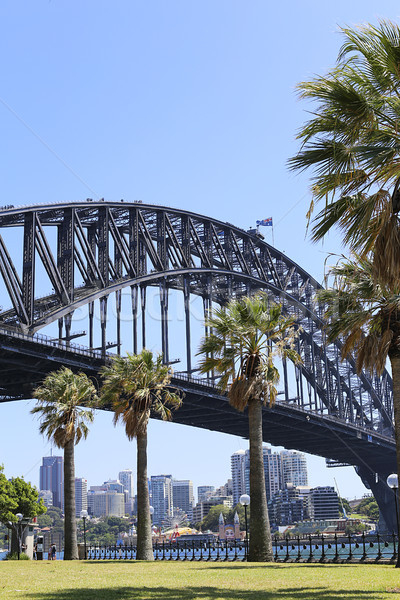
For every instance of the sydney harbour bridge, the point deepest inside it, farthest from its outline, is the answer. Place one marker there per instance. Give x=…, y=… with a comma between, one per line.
x=98, y=265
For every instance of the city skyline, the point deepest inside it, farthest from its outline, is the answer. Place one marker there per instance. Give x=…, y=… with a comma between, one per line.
x=290, y=498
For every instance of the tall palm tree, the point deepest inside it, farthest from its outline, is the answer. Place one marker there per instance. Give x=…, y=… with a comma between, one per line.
x=366, y=314
x=352, y=145
x=134, y=387
x=60, y=399
x=244, y=338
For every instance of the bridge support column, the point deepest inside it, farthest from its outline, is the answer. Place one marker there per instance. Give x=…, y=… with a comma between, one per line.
x=68, y=323
x=118, y=295
x=384, y=495
x=91, y=315
x=134, y=297
x=186, y=299
x=164, y=321
x=103, y=322
x=143, y=303
x=207, y=307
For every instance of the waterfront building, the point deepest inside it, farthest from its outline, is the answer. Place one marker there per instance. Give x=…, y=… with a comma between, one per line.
x=324, y=503
x=81, y=491
x=161, y=497
x=51, y=477
x=288, y=506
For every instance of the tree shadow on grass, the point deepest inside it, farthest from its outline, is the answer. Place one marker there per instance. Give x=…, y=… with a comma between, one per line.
x=203, y=593
x=288, y=565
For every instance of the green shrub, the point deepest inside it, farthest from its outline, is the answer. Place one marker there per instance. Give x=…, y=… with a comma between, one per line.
x=14, y=556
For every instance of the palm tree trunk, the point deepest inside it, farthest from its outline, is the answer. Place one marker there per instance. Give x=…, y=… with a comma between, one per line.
x=144, y=539
x=395, y=364
x=70, y=536
x=260, y=548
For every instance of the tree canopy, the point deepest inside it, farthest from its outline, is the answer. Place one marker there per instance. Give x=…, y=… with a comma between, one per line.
x=352, y=145
x=18, y=496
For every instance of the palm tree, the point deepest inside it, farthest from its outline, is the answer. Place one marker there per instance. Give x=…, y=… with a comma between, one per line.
x=60, y=399
x=352, y=144
x=366, y=314
x=134, y=387
x=244, y=338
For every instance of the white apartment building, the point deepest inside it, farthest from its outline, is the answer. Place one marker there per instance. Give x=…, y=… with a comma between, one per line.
x=81, y=490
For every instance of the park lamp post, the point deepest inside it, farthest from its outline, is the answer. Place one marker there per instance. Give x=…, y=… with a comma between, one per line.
x=245, y=501
x=393, y=482
x=84, y=516
x=19, y=516
x=151, y=511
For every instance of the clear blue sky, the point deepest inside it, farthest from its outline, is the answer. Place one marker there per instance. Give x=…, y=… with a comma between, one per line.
x=187, y=104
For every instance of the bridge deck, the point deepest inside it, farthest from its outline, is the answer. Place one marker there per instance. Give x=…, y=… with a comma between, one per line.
x=25, y=361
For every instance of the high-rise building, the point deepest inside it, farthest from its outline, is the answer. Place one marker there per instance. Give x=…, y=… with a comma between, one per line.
x=52, y=478
x=81, y=490
x=103, y=503
x=288, y=506
x=161, y=497
x=126, y=478
x=114, y=485
x=47, y=497
x=203, y=491
x=182, y=496
x=288, y=466
x=324, y=503
x=238, y=464
x=294, y=468
x=272, y=471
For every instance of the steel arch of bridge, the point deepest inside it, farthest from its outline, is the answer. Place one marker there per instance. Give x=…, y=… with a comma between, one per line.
x=90, y=250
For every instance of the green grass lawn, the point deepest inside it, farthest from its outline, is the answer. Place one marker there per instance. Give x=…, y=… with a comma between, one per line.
x=195, y=581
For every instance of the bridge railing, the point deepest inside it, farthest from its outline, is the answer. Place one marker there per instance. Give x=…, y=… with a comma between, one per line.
x=312, y=548
x=51, y=342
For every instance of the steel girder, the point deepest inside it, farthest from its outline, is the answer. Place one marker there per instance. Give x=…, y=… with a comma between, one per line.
x=87, y=251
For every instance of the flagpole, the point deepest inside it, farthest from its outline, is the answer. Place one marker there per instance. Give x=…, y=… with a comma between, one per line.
x=273, y=242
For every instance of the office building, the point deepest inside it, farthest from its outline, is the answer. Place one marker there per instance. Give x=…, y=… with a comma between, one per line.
x=161, y=497
x=51, y=477
x=126, y=478
x=204, y=491
x=81, y=490
x=182, y=496
x=114, y=485
x=105, y=503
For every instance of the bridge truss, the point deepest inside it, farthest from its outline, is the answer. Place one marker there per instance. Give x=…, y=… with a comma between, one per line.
x=90, y=251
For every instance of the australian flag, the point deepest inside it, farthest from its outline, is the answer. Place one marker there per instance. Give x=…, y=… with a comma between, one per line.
x=265, y=222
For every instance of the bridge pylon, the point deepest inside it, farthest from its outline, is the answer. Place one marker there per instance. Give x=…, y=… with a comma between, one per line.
x=383, y=494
